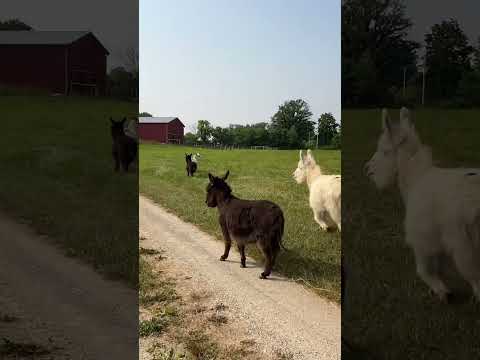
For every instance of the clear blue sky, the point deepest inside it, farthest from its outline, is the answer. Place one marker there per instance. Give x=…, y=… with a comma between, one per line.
x=236, y=61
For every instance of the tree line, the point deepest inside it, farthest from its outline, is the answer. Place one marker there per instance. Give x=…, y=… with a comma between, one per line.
x=291, y=127
x=377, y=56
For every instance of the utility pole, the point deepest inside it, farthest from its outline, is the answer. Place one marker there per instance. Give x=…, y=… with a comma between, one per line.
x=423, y=78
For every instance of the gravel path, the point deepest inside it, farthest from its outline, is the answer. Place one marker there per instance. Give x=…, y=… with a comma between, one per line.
x=60, y=303
x=278, y=313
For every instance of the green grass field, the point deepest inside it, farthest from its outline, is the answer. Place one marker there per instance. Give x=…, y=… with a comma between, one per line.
x=388, y=309
x=57, y=176
x=314, y=256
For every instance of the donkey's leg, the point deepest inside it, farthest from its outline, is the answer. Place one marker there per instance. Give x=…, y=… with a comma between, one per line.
x=275, y=251
x=116, y=160
x=466, y=259
x=428, y=271
x=243, y=259
x=268, y=254
x=125, y=165
x=316, y=216
x=226, y=238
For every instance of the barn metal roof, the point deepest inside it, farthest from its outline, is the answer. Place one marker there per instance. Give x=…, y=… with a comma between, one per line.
x=40, y=37
x=157, y=120
x=33, y=37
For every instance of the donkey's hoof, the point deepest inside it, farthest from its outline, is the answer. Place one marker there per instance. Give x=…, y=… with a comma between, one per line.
x=223, y=258
x=263, y=276
x=243, y=265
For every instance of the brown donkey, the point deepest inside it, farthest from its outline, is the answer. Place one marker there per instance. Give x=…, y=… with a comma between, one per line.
x=247, y=221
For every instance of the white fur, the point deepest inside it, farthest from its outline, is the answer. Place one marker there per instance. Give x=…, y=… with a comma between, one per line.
x=130, y=128
x=442, y=205
x=325, y=192
x=196, y=157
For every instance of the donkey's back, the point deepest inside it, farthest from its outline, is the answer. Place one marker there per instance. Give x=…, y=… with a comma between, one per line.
x=256, y=221
x=254, y=216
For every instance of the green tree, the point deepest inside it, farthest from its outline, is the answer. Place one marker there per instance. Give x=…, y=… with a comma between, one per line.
x=294, y=113
x=292, y=137
x=448, y=55
x=204, y=131
x=14, y=24
x=375, y=50
x=337, y=139
x=189, y=139
x=220, y=135
x=326, y=128
x=121, y=83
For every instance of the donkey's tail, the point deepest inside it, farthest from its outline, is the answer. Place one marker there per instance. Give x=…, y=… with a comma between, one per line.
x=281, y=232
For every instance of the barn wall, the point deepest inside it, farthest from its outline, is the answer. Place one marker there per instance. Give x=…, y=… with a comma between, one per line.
x=36, y=66
x=87, y=54
x=153, y=132
x=175, y=130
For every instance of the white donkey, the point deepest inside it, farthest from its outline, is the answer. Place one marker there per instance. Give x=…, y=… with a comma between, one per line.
x=442, y=205
x=325, y=192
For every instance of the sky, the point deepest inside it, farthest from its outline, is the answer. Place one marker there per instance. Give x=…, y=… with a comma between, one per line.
x=235, y=62
x=114, y=23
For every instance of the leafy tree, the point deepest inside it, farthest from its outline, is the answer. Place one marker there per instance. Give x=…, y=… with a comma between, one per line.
x=189, y=138
x=14, y=24
x=204, y=131
x=145, y=114
x=327, y=128
x=292, y=136
x=375, y=50
x=121, y=83
x=294, y=113
x=448, y=55
x=278, y=137
x=337, y=139
x=468, y=93
x=220, y=135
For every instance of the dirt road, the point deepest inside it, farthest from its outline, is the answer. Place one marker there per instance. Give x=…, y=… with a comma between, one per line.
x=278, y=313
x=62, y=306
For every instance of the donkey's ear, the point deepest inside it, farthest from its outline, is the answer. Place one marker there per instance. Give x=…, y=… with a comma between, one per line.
x=211, y=177
x=386, y=121
x=226, y=175
x=405, y=120
x=310, y=156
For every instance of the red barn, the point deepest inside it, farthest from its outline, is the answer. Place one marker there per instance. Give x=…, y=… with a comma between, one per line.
x=165, y=130
x=62, y=62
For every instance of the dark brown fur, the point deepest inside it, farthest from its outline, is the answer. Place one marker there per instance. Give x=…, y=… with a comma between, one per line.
x=191, y=165
x=124, y=148
x=247, y=221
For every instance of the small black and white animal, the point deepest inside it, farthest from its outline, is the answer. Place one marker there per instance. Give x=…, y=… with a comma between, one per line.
x=191, y=165
x=196, y=158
